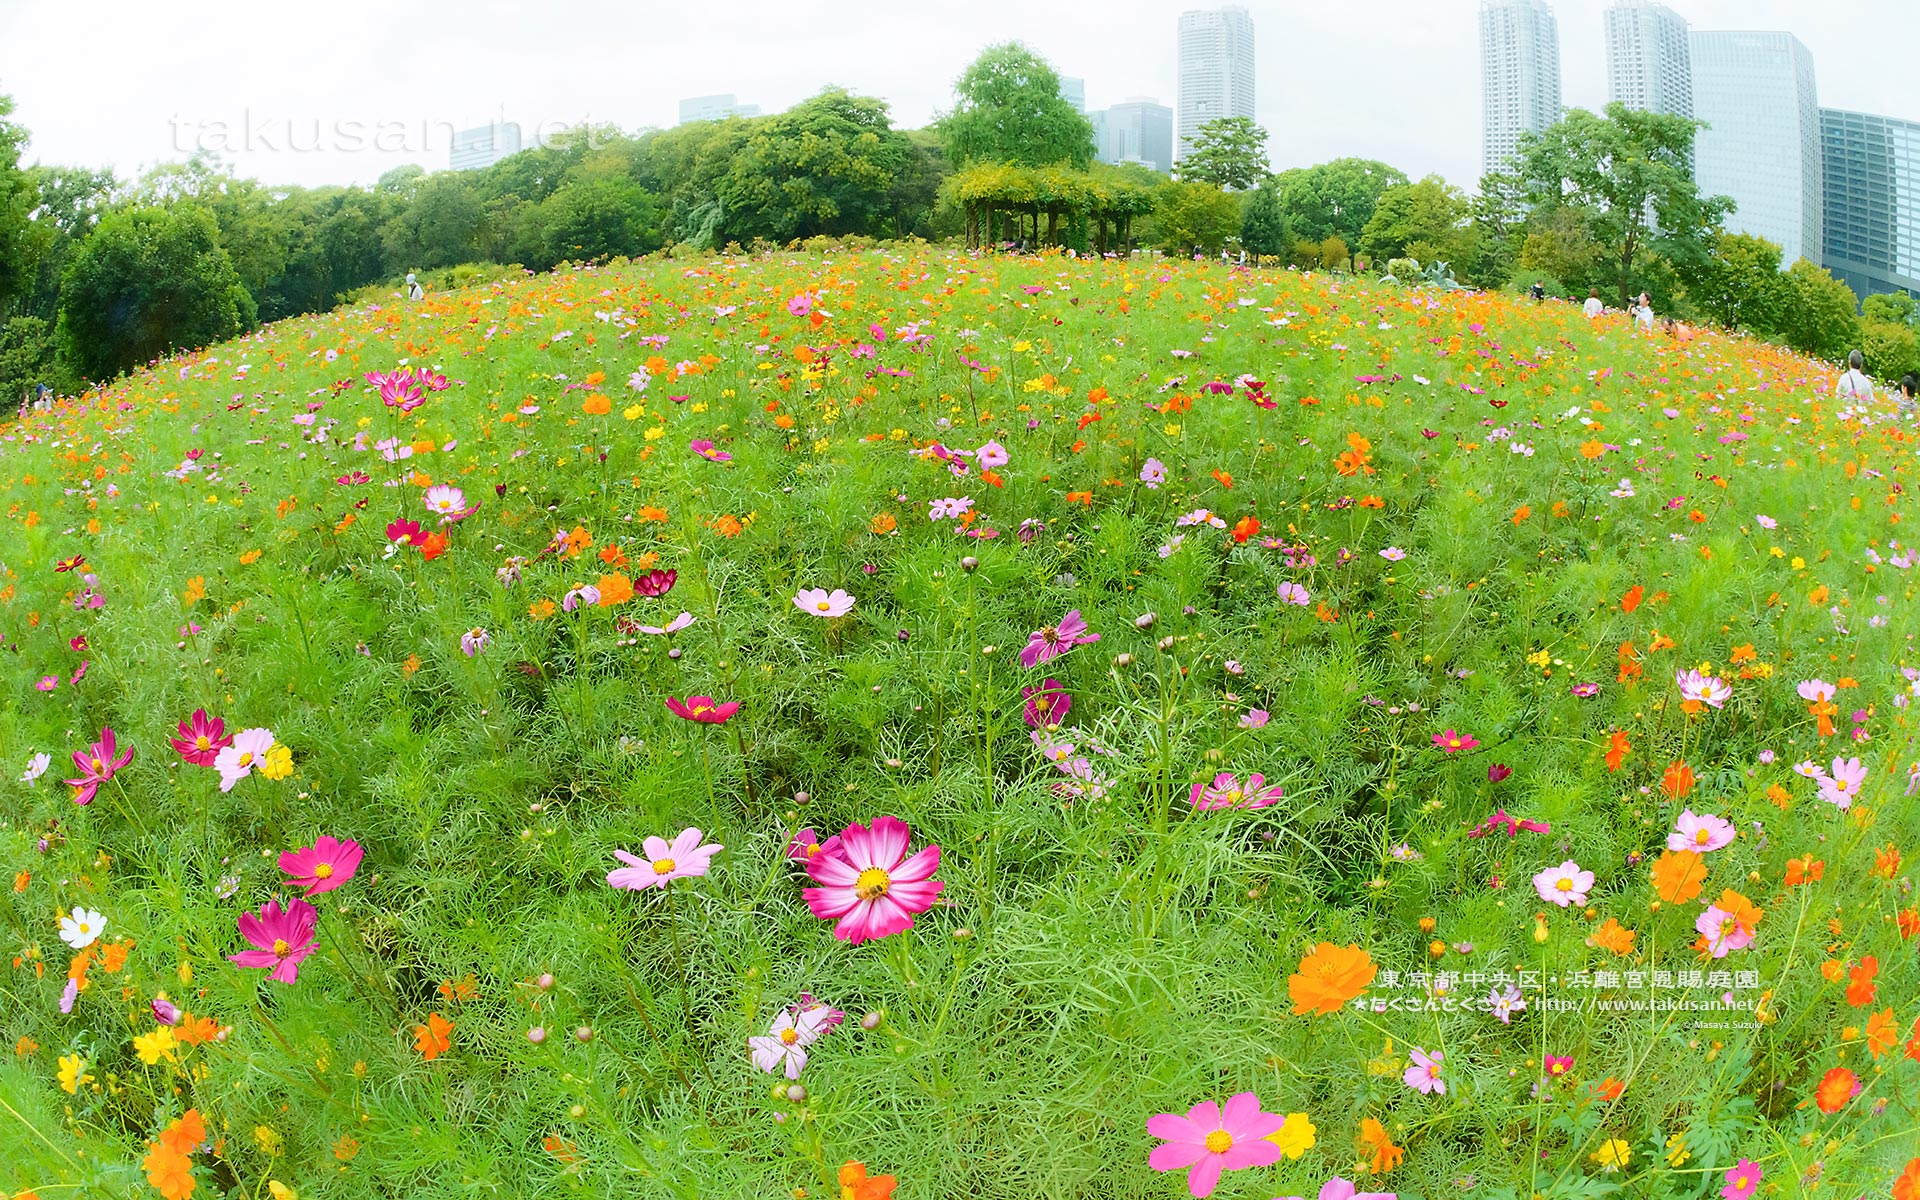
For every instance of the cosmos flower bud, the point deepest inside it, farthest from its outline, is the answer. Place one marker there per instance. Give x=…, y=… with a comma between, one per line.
x=545, y=981
x=969, y=564
x=1145, y=620
x=871, y=1021
x=797, y=1093
x=583, y=1034
x=536, y=1035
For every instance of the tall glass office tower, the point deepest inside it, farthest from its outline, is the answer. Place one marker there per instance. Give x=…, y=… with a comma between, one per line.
x=1216, y=70
x=1762, y=144
x=1519, y=75
x=1872, y=171
x=1648, y=64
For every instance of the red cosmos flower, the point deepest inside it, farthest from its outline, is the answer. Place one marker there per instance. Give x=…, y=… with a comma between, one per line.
x=434, y=546
x=655, y=583
x=202, y=741
x=1245, y=528
x=704, y=709
x=71, y=564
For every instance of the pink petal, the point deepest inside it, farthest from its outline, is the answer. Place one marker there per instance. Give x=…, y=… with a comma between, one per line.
x=888, y=842
x=1205, y=1175
x=916, y=897
x=685, y=844
x=918, y=867
x=1175, y=1155
x=826, y=869
x=830, y=903
x=1174, y=1128
x=657, y=848
x=1251, y=1152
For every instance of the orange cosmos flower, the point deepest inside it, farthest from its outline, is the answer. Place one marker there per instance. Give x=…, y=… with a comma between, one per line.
x=186, y=1132
x=1907, y=1187
x=1677, y=780
x=1677, y=875
x=651, y=513
x=1522, y=513
x=1617, y=748
x=1909, y=923
x=431, y=1039
x=1329, y=977
x=1385, y=1156
x=1613, y=936
x=1245, y=528
x=883, y=524
x=1881, y=1034
x=596, y=405
x=1860, y=985
x=1222, y=478
x=1886, y=863
x=856, y=1184
x=169, y=1171
x=1805, y=869
x=434, y=546
x=615, y=589
x=1836, y=1088
x=1631, y=600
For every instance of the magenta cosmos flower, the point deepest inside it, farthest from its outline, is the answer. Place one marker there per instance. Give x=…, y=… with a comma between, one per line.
x=1051, y=641
x=1047, y=704
x=1699, y=832
x=655, y=583
x=1225, y=792
x=323, y=866
x=665, y=861
x=1742, y=1179
x=704, y=709
x=704, y=447
x=97, y=765
x=806, y=846
x=1453, y=743
x=876, y=887
x=203, y=740
x=1343, y=1189
x=1211, y=1140
x=284, y=938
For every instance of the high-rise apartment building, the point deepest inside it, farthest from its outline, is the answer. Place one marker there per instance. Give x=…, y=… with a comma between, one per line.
x=1871, y=170
x=1648, y=64
x=1074, y=92
x=1139, y=130
x=1216, y=70
x=473, y=149
x=1762, y=146
x=1519, y=75
x=715, y=108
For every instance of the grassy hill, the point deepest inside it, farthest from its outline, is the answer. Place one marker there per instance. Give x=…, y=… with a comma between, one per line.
x=1501, y=603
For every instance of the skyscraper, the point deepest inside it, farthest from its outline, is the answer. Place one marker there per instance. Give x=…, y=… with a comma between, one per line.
x=1519, y=75
x=1872, y=202
x=1216, y=69
x=1762, y=144
x=715, y=108
x=1074, y=92
x=1139, y=130
x=1648, y=66
x=482, y=147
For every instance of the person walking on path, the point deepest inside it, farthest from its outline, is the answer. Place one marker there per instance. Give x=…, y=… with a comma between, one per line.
x=1594, y=305
x=1854, y=385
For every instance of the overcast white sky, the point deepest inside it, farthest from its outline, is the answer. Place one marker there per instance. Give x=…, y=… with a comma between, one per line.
x=133, y=82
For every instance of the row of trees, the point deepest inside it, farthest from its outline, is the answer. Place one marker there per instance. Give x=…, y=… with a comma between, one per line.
x=97, y=275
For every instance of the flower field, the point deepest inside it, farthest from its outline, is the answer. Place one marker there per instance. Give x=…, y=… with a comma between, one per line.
x=903, y=723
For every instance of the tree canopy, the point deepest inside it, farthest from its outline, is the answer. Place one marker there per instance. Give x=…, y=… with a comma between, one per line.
x=1228, y=152
x=1335, y=199
x=1008, y=108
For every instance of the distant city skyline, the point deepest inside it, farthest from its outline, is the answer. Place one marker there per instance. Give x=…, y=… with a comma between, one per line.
x=1218, y=70
x=1520, y=76
x=1396, y=80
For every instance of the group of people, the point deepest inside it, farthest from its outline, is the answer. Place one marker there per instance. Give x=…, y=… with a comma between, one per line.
x=1857, y=386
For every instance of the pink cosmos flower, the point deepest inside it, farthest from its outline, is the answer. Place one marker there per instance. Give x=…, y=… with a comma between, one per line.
x=704, y=709
x=1211, y=1140
x=876, y=889
x=1699, y=832
x=1343, y=1189
x=1255, y=718
x=1153, y=473
x=991, y=456
x=1051, y=641
x=1743, y=1180
x=242, y=755
x=474, y=640
x=1047, y=704
x=1226, y=792
x=1564, y=885
x=1423, y=1074
x=1843, y=785
x=1815, y=690
x=1559, y=1064
x=821, y=603
x=1453, y=743
x=47, y=683
x=202, y=741
x=806, y=846
x=323, y=866
x=447, y=501
x=786, y=1040
x=674, y=626
x=665, y=861
x=97, y=765
x=284, y=938
x=1723, y=931
x=404, y=532
x=1293, y=593
x=704, y=447
x=1707, y=689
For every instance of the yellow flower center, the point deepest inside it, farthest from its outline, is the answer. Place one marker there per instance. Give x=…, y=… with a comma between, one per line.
x=699, y=709
x=813, y=848
x=1702, y=836
x=872, y=884
x=1839, y=785
x=1231, y=795
x=1219, y=1141
x=663, y=866
x=246, y=758
x=98, y=765
x=1565, y=885
x=823, y=606
x=203, y=742
x=280, y=947
x=323, y=871
x=789, y=1036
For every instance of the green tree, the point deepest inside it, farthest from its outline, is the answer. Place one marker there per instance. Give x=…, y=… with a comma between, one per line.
x=1818, y=315
x=1560, y=244
x=440, y=223
x=828, y=165
x=149, y=281
x=593, y=219
x=1739, y=286
x=16, y=199
x=1008, y=108
x=1186, y=215
x=1228, y=152
x=1628, y=175
x=1891, y=348
x=1894, y=308
x=1335, y=199
x=1263, y=222
x=1427, y=220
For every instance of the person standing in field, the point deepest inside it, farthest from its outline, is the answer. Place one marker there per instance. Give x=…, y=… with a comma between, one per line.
x=414, y=290
x=1854, y=385
x=1909, y=390
x=1643, y=313
x=1593, y=307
